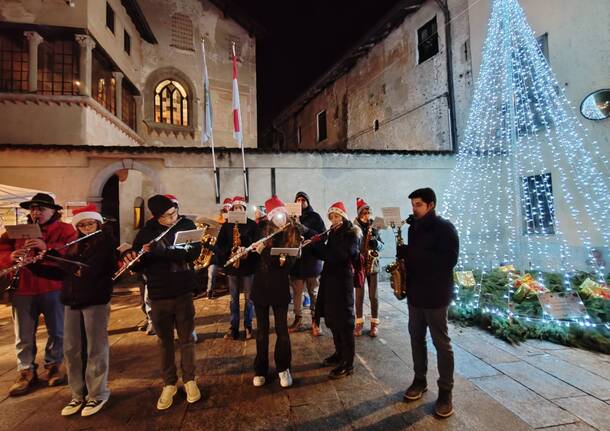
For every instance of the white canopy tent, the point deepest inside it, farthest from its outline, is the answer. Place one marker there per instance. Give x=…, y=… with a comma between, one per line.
x=10, y=198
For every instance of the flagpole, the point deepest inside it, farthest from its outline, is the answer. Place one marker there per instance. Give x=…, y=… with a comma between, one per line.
x=241, y=139
x=207, y=100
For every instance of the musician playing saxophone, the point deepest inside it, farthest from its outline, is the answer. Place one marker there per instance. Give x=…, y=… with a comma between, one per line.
x=171, y=283
x=370, y=247
x=232, y=239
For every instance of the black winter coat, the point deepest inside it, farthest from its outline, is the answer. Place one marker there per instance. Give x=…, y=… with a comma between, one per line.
x=248, y=233
x=168, y=268
x=430, y=255
x=271, y=280
x=309, y=265
x=336, y=294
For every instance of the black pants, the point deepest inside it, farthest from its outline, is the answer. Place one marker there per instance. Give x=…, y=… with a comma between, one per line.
x=345, y=344
x=179, y=313
x=282, y=354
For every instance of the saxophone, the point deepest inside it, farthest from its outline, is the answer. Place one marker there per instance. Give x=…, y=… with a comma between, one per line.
x=236, y=245
x=369, y=255
x=398, y=276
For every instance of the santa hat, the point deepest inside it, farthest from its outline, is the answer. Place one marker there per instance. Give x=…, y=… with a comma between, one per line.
x=227, y=204
x=172, y=198
x=239, y=200
x=361, y=205
x=338, y=208
x=273, y=206
x=84, y=213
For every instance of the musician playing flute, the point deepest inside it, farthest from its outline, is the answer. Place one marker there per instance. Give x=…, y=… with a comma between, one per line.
x=369, y=249
x=232, y=239
x=36, y=295
x=171, y=284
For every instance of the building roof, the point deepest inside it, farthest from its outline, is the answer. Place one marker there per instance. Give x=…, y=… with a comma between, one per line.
x=391, y=20
x=201, y=150
x=137, y=16
x=231, y=9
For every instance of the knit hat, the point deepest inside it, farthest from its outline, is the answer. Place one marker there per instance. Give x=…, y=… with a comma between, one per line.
x=227, y=204
x=361, y=205
x=239, y=200
x=273, y=206
x=172, y=198
x=302, y=195
x=338, y=208
x=86, y=212
x=158, y=204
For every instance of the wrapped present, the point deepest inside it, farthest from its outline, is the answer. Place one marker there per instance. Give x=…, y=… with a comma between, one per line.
x=507, y=268
x=592, y=289
x=527, y=288
x=464, y=278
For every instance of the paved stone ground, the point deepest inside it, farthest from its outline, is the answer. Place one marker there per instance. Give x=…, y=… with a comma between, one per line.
x=498, y=386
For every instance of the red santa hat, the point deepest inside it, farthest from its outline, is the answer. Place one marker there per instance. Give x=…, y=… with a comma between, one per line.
x=227, y=204
x=274, y=206
x=361, y=205
x=86, y=212
x=239, y=200
x=338, y=208
x=172, y=198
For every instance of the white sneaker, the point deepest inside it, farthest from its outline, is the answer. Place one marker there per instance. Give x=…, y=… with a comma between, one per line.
x=92, y=407
x=193, y=394
x=285, y=379
x=73, y=407
x=258, y=381
x=167, y=397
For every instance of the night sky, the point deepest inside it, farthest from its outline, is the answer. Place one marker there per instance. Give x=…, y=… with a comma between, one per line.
x=302, y=39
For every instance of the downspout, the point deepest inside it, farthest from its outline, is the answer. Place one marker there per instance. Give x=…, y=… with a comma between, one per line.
x=450, y=87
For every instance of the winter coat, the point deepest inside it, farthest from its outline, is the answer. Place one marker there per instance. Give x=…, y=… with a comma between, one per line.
x=430, y=255
x=335, y=300
x=375, y=243
x=168, y=268
x=271, y=284
x=224, y=243
x=55, y=234
x=309, y=265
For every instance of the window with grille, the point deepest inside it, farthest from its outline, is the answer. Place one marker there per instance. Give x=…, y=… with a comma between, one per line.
x=182, y=32
x=321, y=120
x=427, y=41
x=104, y=85
x=109, y=17
x=14, y=62
x=58, y=63
x=171, y=103
x=538, y=208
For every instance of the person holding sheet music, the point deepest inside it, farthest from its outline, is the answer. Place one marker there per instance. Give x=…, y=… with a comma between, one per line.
x=35, y=295
x=171, y=283
x=271, y=289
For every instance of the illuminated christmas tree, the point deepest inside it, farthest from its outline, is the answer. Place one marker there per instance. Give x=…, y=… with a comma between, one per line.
x=530, y=188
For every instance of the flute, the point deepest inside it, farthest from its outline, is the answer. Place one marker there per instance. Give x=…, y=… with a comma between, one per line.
x=252, y=246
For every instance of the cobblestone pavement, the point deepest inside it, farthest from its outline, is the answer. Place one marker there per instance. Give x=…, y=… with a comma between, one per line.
x=498, y=386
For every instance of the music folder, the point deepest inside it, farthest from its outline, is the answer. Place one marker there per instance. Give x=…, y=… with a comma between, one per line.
x=276, y=251
x=188, y=236
x=23, y=231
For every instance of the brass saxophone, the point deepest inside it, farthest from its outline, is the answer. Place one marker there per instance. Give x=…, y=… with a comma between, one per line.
x=236, y=245
x=398, y=276
x=205, y=257
x=370, y=255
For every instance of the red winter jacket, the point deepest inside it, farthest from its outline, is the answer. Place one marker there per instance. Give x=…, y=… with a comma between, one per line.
x=55, y=235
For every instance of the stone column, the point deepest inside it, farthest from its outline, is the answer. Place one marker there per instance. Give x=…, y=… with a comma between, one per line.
x=86, y=44
x=139, y=108
x=118, y=93
x=34, y=39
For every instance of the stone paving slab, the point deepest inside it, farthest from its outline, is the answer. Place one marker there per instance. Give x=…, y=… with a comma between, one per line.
x=596, y=363
x=589, y=409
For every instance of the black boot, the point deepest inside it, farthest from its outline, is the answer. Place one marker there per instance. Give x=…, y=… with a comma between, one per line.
x=333, y=359
x=341, y=371
x=444, y=404
x=416, y=390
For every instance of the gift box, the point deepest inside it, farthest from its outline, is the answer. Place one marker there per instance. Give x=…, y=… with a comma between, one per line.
x=464, y=278
x=527, y=288
x=592, y=289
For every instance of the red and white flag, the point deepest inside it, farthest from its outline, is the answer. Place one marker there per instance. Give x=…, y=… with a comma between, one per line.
x=237, y=124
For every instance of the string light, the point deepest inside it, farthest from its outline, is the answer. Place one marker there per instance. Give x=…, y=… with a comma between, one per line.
x=527, y=172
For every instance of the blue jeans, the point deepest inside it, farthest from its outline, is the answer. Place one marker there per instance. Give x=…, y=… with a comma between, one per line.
x=244, y=284
x=26, y=311
x=92, y=323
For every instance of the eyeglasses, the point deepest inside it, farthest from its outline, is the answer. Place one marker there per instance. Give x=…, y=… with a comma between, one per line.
x=86, y=224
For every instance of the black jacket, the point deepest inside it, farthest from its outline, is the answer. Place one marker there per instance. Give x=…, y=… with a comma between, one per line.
x=168, y=268
x=309, y=265
x=271, y=280
x=336, y=294
x=248, y=233
x=430, y=255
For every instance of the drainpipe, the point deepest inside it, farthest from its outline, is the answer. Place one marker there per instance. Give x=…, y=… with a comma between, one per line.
x=450, y=87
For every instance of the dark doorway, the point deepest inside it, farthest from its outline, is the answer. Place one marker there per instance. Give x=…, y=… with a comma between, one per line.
x=110, y=205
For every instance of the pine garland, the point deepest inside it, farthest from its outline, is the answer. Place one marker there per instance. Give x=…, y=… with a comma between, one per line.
x=493, y=295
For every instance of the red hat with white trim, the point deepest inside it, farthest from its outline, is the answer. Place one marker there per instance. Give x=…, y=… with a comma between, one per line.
x=361, y=205
x=172, y=198
x=227, y=204
x=273, y=206
x=338, y=208
x=85, y=213
x=239, y=200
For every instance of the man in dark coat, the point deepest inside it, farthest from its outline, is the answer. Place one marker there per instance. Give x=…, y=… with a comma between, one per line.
x=171, y=283
x=306, y=271
x=430, y=255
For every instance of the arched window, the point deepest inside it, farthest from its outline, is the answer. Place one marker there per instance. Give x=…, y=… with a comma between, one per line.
x=171, y=103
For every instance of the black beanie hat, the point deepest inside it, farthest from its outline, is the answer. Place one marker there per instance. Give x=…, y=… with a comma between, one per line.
x=302, y=195
x=158, y=204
